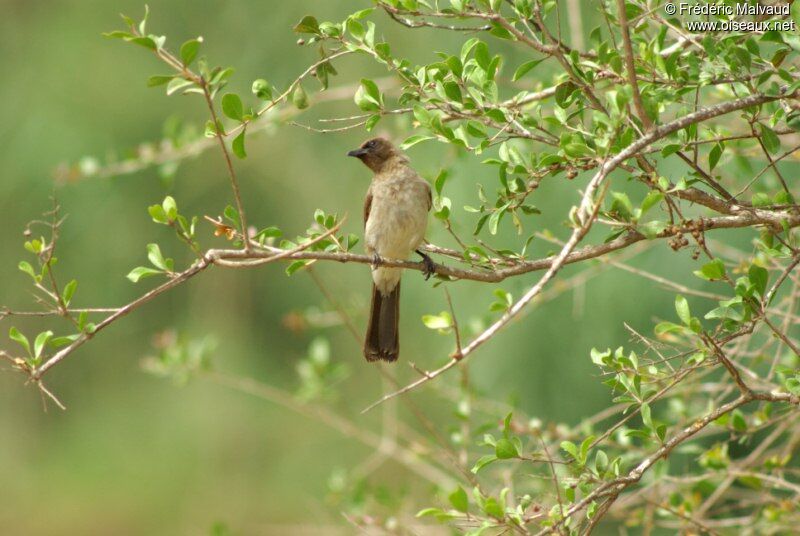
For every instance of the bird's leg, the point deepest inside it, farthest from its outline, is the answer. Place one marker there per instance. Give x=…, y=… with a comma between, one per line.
x=430, y=266
x=376, y=260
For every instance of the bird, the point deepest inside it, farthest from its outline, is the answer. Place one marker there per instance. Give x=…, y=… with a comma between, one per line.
x=395, y=220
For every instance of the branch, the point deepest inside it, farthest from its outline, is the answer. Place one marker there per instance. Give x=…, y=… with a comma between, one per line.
x=630, y=67
x=753, y=217
x=211, y=257
x=237, y=196
x=743, y=217
x=586, y=214
x=345, y=426
x=614, y=487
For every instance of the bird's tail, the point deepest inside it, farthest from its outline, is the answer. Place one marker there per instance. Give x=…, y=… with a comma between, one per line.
x=382, y=341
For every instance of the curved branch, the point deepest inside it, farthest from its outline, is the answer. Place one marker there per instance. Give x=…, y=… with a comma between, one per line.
x=588, y=212
x=211, y=257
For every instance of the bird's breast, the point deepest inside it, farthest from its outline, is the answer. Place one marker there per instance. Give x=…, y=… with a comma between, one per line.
x=398, y=218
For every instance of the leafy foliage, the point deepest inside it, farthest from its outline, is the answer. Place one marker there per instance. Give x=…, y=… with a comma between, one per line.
x=658, y=132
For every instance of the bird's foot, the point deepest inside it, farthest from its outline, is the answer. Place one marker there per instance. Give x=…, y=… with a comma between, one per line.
x=376, y=260
x=430, y=266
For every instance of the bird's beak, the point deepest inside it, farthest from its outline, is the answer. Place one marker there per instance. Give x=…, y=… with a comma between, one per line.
x=358, y=153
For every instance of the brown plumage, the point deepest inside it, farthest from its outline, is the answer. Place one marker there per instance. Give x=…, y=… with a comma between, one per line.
x=382, y=341
x=395, y=217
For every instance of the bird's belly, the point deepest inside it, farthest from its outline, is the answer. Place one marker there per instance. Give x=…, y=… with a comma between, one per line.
x=395, y=231
x=395, y=228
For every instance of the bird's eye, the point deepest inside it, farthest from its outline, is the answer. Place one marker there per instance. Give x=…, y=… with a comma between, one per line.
x=370, y=144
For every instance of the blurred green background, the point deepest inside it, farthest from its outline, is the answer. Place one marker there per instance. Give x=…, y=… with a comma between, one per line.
x=137, y=455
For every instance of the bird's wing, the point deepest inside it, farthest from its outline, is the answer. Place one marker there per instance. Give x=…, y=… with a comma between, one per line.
x=367, y=206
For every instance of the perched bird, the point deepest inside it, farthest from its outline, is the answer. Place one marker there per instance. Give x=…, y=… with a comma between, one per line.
x=395, y=218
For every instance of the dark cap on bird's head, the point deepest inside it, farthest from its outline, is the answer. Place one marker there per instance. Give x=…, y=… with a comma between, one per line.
x=375, y=152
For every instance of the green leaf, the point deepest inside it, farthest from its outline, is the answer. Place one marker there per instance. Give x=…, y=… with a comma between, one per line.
x=429, y=512
x=158, y=214
x=308, y=25
x=505, y=449
x=453, y=91
x=262, y=89
x=507, y=422
x=140, y=272
x=156, y=258
x=713, y=271
x=647, y=420
x=145, y=42
x=238, y=145
x=371, y=122
x=40, y=342
x=34, y=246
x=493, y=508
x=295, y=266
x=523, y=69
x=714, y=155
x=26, y=267
x=189, y=50
x=58, y=342
x=682, y=308
x=584, y=452
x=15, y=335
x=300, y=98
x=232, y=106
x=577, y=150
x=358, y=15
x=159, y=80
x=563, y=91
x=459, y=499
x=368, y=96
x=442, y=321
x=143, y=24
x=496, y=216
x=413, y=140
x=663, y=328
x=438, y=513
x=221, y=77
x=355, y=28
x=177, y=84
x=570, y=448
x=653, y=198
x=441, y=207
x=455, y=66
x=482, y=55
x=232, y=215
x=170, y=208
x=482, y=462
x=760, y=199
x=269, y=232
x=622, y=205
x=322, y=72
x=69, y=291
x=118, y=34
x=441, y=178
x=758, y=277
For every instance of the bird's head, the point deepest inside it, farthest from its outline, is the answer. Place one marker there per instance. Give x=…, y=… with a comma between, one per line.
x=375, y=153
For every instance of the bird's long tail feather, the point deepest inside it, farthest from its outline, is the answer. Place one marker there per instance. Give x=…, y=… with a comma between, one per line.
x=382, y=341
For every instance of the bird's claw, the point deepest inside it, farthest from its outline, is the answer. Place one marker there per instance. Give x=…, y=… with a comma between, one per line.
x=376, y=260
x=430, y=266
